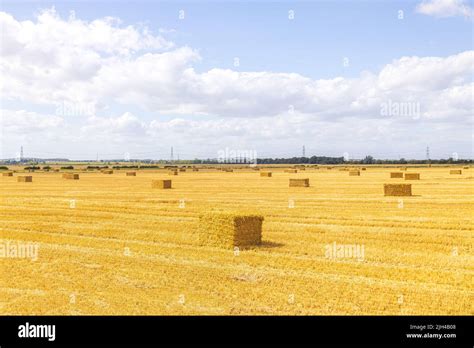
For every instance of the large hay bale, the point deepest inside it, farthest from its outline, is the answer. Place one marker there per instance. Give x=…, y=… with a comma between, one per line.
x=465, y=167
x=403, y=168
x=412, y=176
x=71, y=176
x=161, y=184
x=266, y=174
x=7, y=174
x=182, y=169
x=291, y=171
x=299, y=182
x=397, y=189
x=229, y=230
x=107, y=171
x=364, y=168
x=396, y=175
x=455, y=171
x=172, y=172
x=354, y=173
x=131, y=173
x=25, y=178
x=195, y=169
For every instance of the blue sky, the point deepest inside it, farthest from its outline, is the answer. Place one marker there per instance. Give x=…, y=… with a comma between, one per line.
x=313, y=46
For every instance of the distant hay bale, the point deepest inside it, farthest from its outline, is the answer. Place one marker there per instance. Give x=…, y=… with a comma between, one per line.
x=71, y=176
x=412, y=176
x=299, y=182
x=266, y=174
x=195, y=169
x=354, y=173
x=465, y=167
x=291, y=171
x=131, y=173
x=228, y=170
x=396, y=175
x=403, y=168
x=161, y=184
x=172, y=172
x=182, y=169
x=227, y=230
x=25, y=178
x=7, y=174
x=364, y=168
x=397, y=189
x=455, y=171
x=107, y=171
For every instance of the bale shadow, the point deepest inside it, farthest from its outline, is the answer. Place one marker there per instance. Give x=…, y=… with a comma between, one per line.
x=268, y=245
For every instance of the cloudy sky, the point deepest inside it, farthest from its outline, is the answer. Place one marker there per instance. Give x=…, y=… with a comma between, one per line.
x=122, y=78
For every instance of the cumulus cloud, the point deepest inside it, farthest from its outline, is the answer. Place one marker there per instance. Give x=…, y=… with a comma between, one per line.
x=127, y=124
x=445, y=8
x=22, y=121
x=53, y=59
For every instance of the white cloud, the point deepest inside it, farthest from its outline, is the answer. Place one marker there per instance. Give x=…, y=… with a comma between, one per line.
x=445, y=8
x=22, y=121
x=125, y=125
x=55, y=60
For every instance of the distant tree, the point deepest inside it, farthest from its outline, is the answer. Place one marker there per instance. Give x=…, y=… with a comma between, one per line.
x=368, y=160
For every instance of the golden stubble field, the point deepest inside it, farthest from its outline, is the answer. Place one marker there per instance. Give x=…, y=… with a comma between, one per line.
x=111, y=244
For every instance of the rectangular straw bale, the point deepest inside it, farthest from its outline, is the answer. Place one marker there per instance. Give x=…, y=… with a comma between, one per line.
x=266, y=174
x=131, y=174
x=172, y=172
x=299, y=182
x=455, y=171
x=107, y=171
x=291, y=171
x=412, y=176
x=229, y=230
x=70, y=176
x=161, y=184
x=354, y=173
x=397, y=189
x=25, y=178
x=182, y=169
x=7, y=174
x=396, y=175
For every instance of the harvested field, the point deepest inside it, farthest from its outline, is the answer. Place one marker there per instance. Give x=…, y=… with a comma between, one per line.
x=127, y=248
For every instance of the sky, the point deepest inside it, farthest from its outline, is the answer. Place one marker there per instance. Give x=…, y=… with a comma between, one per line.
x=118, y=79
